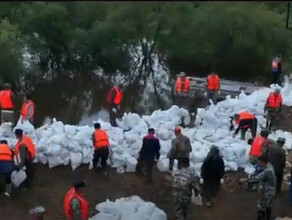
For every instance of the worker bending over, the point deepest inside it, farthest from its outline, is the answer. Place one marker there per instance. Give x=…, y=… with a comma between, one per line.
x=245, y=121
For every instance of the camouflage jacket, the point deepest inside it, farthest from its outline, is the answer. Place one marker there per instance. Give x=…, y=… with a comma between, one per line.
x=184, y=181
x=180, y=147
x=267, y=180
x=76, y=208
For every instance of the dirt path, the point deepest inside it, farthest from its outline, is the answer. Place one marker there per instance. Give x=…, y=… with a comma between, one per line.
x=51, y=185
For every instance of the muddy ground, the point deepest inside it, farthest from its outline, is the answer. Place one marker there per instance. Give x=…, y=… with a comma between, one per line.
x=50, y=185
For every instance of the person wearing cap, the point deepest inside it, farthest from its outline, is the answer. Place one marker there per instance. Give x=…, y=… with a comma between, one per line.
x=149, y=153
x=114, y=98
x=212, y=172
x=276, y=69
x=6, y=165
x=273, y=106
x=277, y=157
x=267, y=187
x=25, y=152
x=27, y=109
x=213, y=86
x=7, y=99
x=182, y=88
x=101, y=147
x=244, y=121
x=259, y=146
x=180, y=148
x=75, y=205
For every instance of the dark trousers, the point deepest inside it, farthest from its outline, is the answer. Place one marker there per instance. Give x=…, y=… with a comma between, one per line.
x=212, y=94
x=100, y=153
x=210, y=189
x=148, y=165
x=113, y=115
x=275, y=78
x=171, y=163
x=29, y=173
x=253, y=129
x=279, y=177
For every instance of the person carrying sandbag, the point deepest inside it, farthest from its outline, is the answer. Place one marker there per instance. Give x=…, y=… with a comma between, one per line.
x=6, y=165
x=25, y=152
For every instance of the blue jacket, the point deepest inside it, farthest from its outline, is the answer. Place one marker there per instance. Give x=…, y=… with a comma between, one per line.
x=150, y=148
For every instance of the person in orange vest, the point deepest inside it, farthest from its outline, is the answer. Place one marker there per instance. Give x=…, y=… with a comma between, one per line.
x=259, y=146
x=276, y=69
x=25, y=152
x=75, y=205
x=7, y=104
x=213, y=86
x=27, y=109
x=114, y=98
x=6, y=165
x=101, y=147
x=273, y=106
x=245, y=121
x=182, y=89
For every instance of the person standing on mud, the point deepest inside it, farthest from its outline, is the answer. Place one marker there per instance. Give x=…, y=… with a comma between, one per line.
x=245, y=121
x=149, y=153
x=212, y=172
x=114, y=98
x=184, y=183
x=277, y=157
x=273, y=106
x=27, y=109
x=101, y=147
x=267, y=187
x=180, y=148
x=25, y=153
x=75, y=205
x=182, y=89
x=213, y=86
x=7, y=104
x=6, y=165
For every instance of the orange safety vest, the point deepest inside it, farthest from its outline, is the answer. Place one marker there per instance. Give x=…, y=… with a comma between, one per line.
x=244, y=116
x=101, y=139
x=71, y=194
x=26, y=141
x=182, y=83
x=257, y=145
x=213, y=82
x=273, y=101
x=119, y=95
x=6, y=99
x=25, y=107
x=5, y=152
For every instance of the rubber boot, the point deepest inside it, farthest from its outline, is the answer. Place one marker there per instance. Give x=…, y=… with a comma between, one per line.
x=268, y=213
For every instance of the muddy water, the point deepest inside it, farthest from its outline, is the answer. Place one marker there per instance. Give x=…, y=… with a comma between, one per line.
x=72, y=100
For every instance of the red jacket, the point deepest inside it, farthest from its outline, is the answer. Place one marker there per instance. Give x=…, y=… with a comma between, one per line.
x=213, y=82
x=182, y=85
x=6, y=99
x=257, y=146
x=274, y=101
x=118, y=96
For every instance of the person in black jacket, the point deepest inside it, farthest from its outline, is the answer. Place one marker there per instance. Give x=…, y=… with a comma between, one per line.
x=277, y=157
x=212, y=171
x=149, y=153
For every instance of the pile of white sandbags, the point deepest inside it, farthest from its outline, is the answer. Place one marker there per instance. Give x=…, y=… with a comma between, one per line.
x=130, y=208
x=59, y=144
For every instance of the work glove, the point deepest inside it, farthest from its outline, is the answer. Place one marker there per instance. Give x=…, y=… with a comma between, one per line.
x=201, y=181
x=219, y=92
x=221, y=181
x=114, y=110
x=205, y=94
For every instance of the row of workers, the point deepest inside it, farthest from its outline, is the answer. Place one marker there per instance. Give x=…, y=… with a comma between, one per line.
x=7, y=103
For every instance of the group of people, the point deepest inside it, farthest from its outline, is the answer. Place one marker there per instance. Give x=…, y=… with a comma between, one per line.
x=7, y=103
x=20, y=158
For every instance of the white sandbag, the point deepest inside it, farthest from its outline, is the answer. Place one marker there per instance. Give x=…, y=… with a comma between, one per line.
x=58, y=127
x=163, y=134
x=70, y=130
x=18, y=177
x=42, y=158
x=54, y=161
x=76, y=160
x=163, y=164
x=231, y=166
x=131, y=163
